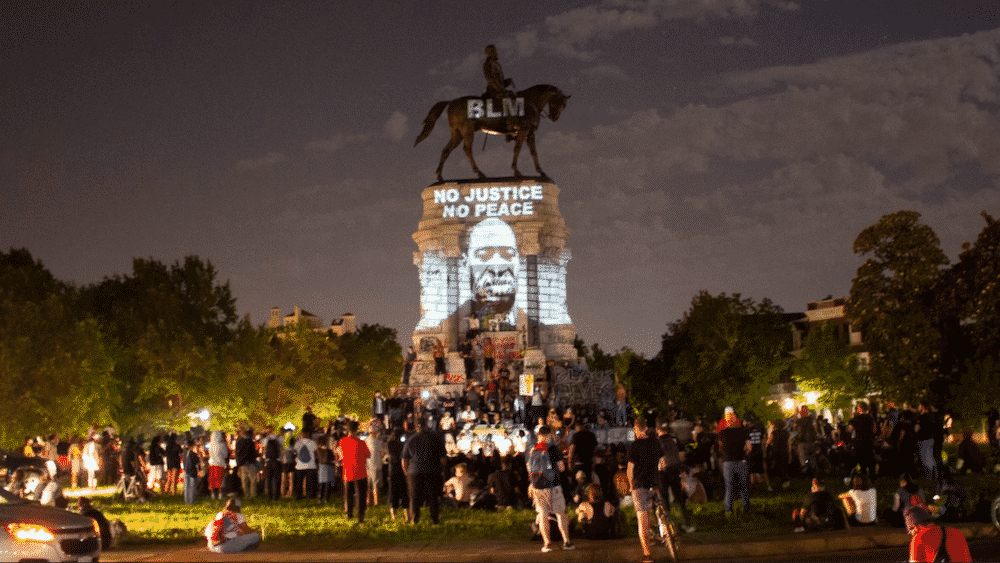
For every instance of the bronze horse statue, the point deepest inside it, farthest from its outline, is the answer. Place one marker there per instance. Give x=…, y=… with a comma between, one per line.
x=519, y=128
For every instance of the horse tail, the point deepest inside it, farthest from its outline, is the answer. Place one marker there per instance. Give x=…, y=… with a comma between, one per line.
x=432, y=117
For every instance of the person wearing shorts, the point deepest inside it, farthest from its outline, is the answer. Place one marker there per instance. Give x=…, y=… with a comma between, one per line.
x=645, y=460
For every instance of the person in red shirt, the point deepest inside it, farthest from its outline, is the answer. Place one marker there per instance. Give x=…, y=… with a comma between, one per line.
x=926, y=540
x=353, y=455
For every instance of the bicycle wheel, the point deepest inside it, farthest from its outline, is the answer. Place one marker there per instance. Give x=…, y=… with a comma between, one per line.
x=671, y=540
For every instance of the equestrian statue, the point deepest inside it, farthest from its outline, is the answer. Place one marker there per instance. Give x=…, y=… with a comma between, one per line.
x=499, y=111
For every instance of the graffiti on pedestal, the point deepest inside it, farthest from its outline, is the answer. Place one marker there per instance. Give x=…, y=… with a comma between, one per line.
x=578, y=386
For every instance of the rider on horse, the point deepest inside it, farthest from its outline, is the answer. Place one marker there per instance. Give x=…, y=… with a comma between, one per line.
x=496, y=85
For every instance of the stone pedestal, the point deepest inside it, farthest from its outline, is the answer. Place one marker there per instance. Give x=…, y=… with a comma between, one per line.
x=496, y=249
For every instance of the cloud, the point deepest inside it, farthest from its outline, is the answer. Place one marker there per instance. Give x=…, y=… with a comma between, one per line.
x=605, y=72
x=765, y=193
x=266, y=161
x=337, y=142
x=572, y=33
x=734, y=42
x=395, y=127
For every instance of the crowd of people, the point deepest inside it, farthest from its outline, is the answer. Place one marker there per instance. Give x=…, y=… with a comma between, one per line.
x=480, y=449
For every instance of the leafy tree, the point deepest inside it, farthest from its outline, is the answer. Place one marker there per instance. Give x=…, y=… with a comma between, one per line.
x=828, y=366
x=373, y=361
x=169, y=324
x=893, y=303
x=975, y=285
x=53, y=367
x=725, y=351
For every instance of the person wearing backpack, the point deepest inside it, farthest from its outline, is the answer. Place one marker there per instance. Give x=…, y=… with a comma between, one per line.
x=272, y=464
x=306, y=472
x=229, y=532
x=545, y=463
x=933, y=543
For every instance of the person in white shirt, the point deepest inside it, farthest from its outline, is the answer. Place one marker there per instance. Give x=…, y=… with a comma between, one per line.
x=229, y=531
x=859, y=502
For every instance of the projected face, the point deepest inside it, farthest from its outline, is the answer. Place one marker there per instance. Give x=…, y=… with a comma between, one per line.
x=493, y=263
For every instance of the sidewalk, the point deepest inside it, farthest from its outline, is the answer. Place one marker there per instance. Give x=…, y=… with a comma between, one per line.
x=696, y=546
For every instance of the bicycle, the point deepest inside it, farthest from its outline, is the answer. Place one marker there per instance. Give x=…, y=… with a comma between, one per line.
x=665, y=529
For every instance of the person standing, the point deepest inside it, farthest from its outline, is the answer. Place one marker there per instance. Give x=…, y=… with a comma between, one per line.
x=354, y=455
x=925, y=440
x=734, y=445
x=92, y=460
x=862, y=425
x=376, y=448
x=172, y=459
x=422, y=458
x=670, y=475
x=272, y=464
x=75, y=461
x=545, y=463
x=411, y=358
x=306, y=474
x=397, y=477
x=218, y=460
x=645, y=458
x=246, y=463
x=192, y=463
x=440, y=351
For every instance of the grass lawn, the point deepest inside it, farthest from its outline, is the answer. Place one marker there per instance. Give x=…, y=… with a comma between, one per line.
x=304, y=525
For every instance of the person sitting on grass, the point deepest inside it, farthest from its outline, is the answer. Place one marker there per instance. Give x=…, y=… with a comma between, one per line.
x=84, y=507
x=598, y=518
x=819, y=512
x=228, y=532
x=907, y=495
x=458, y=490
x=859, y=502
x=693, y=488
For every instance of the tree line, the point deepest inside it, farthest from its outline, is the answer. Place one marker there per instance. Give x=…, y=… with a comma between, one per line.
x=931, y=329
x=143, y=351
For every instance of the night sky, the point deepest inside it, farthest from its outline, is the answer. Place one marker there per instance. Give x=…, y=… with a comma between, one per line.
x=735, y=146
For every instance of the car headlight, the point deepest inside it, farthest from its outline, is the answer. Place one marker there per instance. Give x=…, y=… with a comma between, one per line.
x=30, y=532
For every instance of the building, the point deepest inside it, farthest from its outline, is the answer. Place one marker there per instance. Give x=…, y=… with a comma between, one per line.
x=830, y=310
x=340, y=327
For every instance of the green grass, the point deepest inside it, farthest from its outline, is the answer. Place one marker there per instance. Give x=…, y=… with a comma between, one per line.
x=307, y=524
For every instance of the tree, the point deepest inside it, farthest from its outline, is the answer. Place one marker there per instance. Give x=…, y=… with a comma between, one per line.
x=53, y=367
x=725, y=351
x=893, y=303
x=169, y=324
x=829, y=366
x=975, y=292
x=373, y=361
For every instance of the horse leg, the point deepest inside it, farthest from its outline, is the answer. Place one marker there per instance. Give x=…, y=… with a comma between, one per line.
x=456, y=138
x=517, y=151
x=534, y=153
x=467, y=134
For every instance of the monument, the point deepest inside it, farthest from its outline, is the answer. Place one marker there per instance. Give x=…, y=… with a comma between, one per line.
x=492, y=254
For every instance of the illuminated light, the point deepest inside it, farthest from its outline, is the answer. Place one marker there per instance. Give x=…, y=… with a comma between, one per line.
x=289, y=426
x=30, y=532
x=812, y=396
x=788, y=404
x=204, y=414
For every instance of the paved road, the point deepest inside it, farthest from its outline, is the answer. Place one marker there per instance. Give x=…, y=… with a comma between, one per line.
x=982, y=549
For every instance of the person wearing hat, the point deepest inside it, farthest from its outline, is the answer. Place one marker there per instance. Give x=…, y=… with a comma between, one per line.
x=229, y=532
x=928, y=539
x=734, y=445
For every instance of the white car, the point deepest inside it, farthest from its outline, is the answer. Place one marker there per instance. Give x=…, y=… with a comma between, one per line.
x=29, y=531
